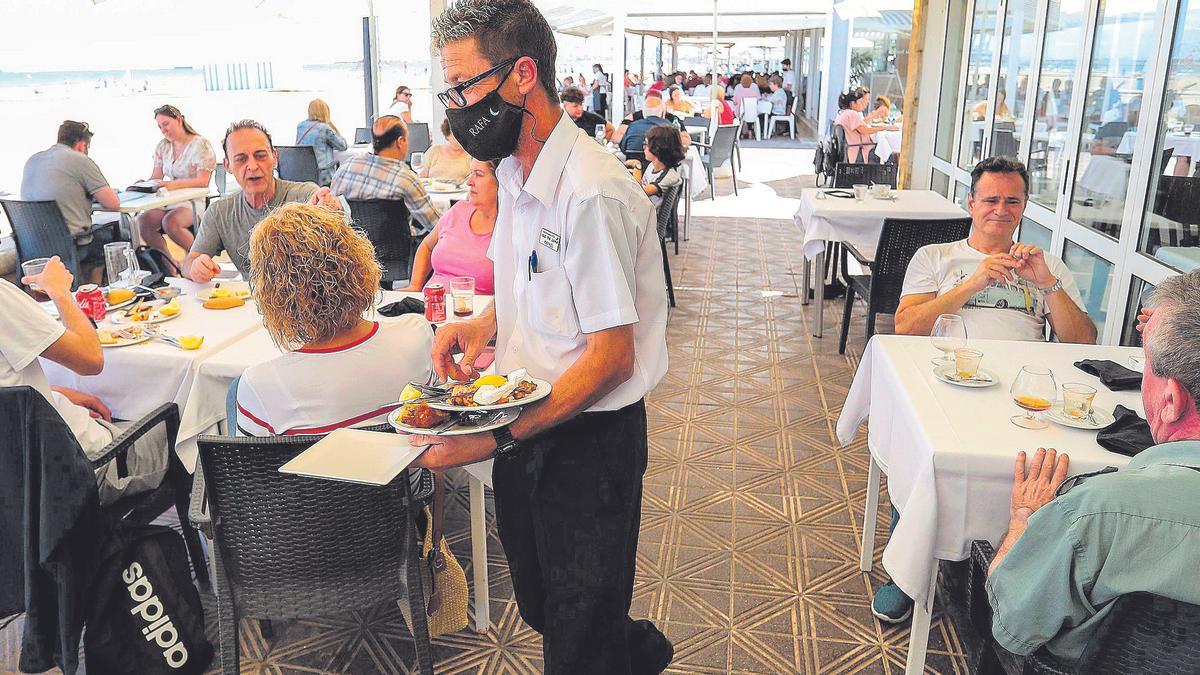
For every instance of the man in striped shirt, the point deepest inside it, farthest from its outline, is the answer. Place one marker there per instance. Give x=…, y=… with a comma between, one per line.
x=385, y=175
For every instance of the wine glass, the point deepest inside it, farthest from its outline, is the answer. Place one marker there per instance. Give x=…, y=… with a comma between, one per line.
x=949, y=333
x=599, y=133
x=1033, y=391
x=417, y=161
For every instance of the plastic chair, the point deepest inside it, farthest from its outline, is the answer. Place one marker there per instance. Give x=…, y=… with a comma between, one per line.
x=386, y=224
x=789, y=117
x=898, y=243
x=850, y=174
x=1143, y=633
x=418, y=138
x=749, y=115
x=720, y=151
x=288, y=546
x=667, y=225
x=298, y=163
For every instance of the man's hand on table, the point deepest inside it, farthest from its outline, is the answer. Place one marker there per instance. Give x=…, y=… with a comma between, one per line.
x=94, y=406
x=202, y=268
x=446, y=452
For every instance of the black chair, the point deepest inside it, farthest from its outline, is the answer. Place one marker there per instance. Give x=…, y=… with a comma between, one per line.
x=221, y=180
x=362, y=135
x=848, y=175
x=1143, y=634
x=898, y=243
x=667, y=226
x=418, y=138
x=40, y=231
x=1004, y=143
x=839, y=135
x=298, y=163
x=720, y=151
x=288, y=546
x=387, y=224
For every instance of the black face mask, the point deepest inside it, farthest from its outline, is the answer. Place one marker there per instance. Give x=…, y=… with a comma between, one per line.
x=489, y=128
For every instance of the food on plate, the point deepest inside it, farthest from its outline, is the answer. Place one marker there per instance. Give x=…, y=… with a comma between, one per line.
x=118, y=295
x=224, y=302
x=139, y=312
x=493, y=380
x=106, y=337
x=191, y=341
x=421, y=416
x=492, y=390
x=219, y=292
x=171, y=308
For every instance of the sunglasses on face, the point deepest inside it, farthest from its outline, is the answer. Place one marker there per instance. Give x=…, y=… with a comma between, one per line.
x=455, y=97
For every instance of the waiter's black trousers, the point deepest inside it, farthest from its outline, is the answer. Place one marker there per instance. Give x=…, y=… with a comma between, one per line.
x=568, y=509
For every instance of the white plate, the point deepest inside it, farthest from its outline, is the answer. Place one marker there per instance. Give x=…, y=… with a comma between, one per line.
x=542, y=391
x=443, y=188
x=125, y=342
x=508, y=416
x=239, y=288
x=119, y=318
x=947, y=374
x=1137, y=363
x=1103, y=418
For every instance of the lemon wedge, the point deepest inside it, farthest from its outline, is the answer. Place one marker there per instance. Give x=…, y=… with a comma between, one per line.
x=410, y=392
x=191, y=341
x=493, y=380
x=170, y=309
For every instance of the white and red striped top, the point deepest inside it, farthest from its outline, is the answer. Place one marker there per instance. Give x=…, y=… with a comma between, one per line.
x=356, y=385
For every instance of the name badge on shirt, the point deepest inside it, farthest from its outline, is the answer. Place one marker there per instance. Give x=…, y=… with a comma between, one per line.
x=550, y=240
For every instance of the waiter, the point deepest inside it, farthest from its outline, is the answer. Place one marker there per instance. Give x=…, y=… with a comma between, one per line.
x=581, y=302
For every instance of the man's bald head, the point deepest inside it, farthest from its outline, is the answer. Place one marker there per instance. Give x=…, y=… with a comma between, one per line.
x=388, y=134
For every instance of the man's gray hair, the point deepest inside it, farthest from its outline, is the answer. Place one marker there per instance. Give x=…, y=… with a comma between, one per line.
x=1173, y=347
x=245, y=124
x=502, y=29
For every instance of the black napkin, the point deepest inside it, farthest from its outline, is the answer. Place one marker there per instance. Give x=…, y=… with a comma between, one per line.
x=405, y=306
x=1113, y=375
x=1128, y=435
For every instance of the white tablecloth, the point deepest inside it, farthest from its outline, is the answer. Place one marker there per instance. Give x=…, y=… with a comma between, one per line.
x=948, y=451
x=139, y=378
x=887, y=143
x=838, y=219
x=1181, y=145
x=1105, y=176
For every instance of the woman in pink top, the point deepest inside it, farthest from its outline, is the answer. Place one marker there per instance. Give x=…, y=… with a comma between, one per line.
x=860, y=136
x=458, y=244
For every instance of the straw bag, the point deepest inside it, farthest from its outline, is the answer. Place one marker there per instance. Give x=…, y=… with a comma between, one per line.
x=442, y=577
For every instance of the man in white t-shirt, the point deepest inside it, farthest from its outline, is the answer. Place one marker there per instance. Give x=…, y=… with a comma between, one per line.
x=1003, y=290
x=30, y=332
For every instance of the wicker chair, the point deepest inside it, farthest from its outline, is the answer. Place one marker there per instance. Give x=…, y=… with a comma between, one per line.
x=1142, y=634
x=298, y=163
x=667, y=227
x=40, y=231
x=898, y=243
x=288, y=546
x=386, y=222
x=848, y=174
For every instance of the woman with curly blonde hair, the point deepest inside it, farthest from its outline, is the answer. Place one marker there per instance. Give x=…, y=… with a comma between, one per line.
x=315, y=282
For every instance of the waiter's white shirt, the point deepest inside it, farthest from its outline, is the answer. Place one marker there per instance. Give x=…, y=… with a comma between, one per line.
x=606, y=272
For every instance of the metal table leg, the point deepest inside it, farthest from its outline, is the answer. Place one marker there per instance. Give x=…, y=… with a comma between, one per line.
x=818, y=312
x=805, y=280
x=135, y=235
x=479, y=555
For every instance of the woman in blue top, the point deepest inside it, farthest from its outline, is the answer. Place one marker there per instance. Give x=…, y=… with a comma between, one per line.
x=319, y=132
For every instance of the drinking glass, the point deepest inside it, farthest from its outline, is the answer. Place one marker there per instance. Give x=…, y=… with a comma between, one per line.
x=462, y=289
x=599, y=133
x=31, y=268
x=949, y=333
x=1077, y=400
x=860, y=191
x=417, y=161
x=1034, y=391
x=966, y=362
x=115, y=263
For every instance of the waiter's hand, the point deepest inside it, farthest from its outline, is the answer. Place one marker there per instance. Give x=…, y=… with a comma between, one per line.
x=446, y=452
x=467, y=337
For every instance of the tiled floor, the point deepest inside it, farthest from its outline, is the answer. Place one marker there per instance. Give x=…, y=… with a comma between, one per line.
x=752, y=515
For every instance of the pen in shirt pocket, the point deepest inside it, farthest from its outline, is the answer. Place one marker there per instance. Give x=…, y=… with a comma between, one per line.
x=532, y=263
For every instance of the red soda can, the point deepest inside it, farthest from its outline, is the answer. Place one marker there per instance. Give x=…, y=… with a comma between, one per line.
x=90, y=299
x=435, y=303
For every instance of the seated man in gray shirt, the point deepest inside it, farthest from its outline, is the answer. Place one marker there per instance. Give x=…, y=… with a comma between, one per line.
x=250, y=158
x=64, y=172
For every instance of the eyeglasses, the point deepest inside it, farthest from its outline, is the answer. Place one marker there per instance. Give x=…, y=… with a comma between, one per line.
x=405, y=93
x=454, y=95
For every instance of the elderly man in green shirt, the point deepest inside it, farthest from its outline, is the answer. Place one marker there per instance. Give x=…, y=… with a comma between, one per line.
x=1066, y=558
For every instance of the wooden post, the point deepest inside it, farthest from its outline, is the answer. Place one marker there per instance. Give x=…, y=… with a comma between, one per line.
x=912, y=103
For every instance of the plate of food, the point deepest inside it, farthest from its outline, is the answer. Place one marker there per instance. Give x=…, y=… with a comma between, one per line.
x=419, y=418
x=442, y=187
x=492, y=392
x=226, y=289
x=122, y=337
x=949, y=374
x=144, y=312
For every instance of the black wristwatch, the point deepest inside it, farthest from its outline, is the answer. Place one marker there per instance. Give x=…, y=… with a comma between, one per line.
x=506, y=446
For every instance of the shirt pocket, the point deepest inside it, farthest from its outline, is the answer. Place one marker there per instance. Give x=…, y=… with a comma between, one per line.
x=551, y=306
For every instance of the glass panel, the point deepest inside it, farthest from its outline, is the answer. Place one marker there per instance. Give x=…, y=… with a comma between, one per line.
x=979, y=78
x=961, y=190
x=1065, y=21
x=951, y=69
x=1020, y=24
x=1033, y=233
x=1139, y=294
x=1124, y=40
x=940, y=183
x=1093, y=276
x=1171, y=227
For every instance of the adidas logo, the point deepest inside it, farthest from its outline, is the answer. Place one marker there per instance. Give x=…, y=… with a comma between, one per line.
x=158, y=625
